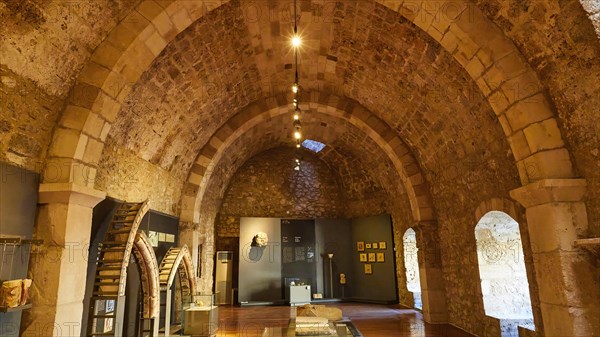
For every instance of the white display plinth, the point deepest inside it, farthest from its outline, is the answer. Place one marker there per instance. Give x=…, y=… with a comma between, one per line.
x=300, y=295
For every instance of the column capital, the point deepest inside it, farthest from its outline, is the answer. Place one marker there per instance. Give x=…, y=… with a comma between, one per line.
x=550, y=190
x=69, y=193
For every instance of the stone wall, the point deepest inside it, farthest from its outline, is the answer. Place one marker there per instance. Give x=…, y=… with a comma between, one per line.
x=269, y=186
x=125, y=176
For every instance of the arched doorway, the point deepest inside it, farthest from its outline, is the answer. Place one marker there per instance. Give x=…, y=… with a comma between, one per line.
x=504, y=284
x=411, y=264
x=176, y=262
x=108, y=301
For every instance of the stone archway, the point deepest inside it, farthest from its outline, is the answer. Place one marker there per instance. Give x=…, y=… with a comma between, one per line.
x=176, y=262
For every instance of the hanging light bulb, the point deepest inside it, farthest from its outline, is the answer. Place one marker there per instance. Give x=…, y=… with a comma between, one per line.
x=297, y=146
x=295, y=88
x=296, y=116
x=297, y=135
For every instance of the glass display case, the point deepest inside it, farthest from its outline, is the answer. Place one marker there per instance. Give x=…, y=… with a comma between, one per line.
x=200, y=317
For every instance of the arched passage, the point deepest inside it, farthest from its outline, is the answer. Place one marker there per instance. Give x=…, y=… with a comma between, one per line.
x=411, y=263
x=176, y=262
x=504, y=283
x=121, y=239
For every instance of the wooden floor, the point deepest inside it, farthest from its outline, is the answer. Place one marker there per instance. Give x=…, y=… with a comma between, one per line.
x=372, y=320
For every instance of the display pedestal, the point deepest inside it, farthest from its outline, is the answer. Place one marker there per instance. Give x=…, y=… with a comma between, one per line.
x=299, y=295
x=201, y=320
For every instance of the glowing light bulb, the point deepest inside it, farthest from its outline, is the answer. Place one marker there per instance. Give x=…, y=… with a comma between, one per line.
x=298, y=146
x=296, y=41
x=296, y=117
x=297, y=135
x=295, y=88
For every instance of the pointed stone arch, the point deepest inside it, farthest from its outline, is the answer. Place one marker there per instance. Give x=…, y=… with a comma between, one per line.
x=177, y=261
x=397, y=151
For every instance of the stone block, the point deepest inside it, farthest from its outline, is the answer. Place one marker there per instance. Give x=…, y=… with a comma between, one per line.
x=156, y=43
x=93, y=125
x=544, y=135
x=529, y=111
x=105, y=130
x=551, y=226
x=519, y=146
x=121, y=37
x=450, y=42
x=74, y=117
x=115, y=82
x=164, y=26
x=94, y=74
x=522, y=87
x=107, y=55
x=181, y=19
x=149, y=9
x=475, y=68
x=498, y=102
x=93, y=151
x=505, y=125
x=548, y=164
x=65, y=143
x=106, y=107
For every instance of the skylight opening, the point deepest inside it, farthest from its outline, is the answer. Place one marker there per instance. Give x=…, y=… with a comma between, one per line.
x=313, y=145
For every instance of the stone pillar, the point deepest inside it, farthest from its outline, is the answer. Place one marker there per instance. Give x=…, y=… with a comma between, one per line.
x=64, y=222
x=566, y=276
x=433, y=291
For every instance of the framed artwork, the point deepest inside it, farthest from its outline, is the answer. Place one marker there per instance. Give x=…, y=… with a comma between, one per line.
x=372, y=257
x=375, y=245
x=368, y=269
x=360, y=246
x=363, y=257
x=368, y=245
x=382, y=245
x=153, y=238
x=380, y=257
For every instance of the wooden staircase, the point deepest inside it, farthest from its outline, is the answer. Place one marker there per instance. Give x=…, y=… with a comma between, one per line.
x=111, y=271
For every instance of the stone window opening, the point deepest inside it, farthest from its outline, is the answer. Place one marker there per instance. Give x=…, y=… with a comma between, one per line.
x=411, y=263
x=313, y=145
x=504, y=284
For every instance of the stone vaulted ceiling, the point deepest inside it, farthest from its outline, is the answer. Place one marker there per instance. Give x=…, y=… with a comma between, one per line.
x=237, y=53
x=225, y=61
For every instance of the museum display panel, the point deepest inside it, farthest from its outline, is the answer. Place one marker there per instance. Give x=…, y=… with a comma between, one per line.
x=306, y=258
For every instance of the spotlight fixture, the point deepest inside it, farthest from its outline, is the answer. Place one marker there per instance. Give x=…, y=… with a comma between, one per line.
x=296, y=41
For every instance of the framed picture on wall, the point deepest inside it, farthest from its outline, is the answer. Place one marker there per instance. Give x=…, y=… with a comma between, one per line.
x=363, y=257
x=380, y=257
x=360, y=246
x=382, y=245
x=375, y=245
x=368, y=269
x=372, y=257
x=368, y=246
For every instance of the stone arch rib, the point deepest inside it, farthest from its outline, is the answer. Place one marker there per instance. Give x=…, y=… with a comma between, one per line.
x=510, y=85
x=396, y=150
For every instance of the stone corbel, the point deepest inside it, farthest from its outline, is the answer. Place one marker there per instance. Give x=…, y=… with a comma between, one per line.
x=69, y=193
x=550, y=190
